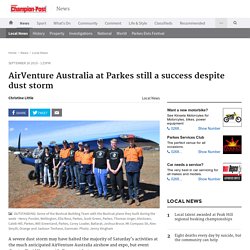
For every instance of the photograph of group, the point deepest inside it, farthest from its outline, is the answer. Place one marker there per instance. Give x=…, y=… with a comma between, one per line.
x=83, y=164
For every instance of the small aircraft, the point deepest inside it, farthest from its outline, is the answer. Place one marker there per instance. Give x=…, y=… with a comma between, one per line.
x=122, y=142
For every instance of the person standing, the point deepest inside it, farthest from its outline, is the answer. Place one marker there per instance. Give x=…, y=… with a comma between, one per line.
x=86, y=171
x=100, y=169
x=70, y=167
x=64, y=162
x=134, y=160
x=48, y=162
x=78, y=157
x=115, y=161
x=38, y=155
x=56, y=164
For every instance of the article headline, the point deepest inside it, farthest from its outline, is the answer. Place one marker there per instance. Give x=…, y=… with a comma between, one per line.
x=146, y=75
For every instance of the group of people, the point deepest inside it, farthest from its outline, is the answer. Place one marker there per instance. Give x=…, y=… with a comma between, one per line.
x=88, y=168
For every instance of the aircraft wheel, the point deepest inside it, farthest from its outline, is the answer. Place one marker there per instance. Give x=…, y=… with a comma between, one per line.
x=32, y=175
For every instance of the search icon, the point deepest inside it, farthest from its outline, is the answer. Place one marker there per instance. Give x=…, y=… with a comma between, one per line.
x=235, y=22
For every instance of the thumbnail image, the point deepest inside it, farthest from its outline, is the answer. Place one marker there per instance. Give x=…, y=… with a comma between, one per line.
x=84, y=164
x=232, y=144
x=232, y=172
x=232, y=117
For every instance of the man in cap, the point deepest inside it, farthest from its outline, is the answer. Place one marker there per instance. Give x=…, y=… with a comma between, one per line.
x=38, y=155
x=86, y=171
x=115, y=161
x=100, y=169
x=64, y=160
x=134, y=160
x=78, y=157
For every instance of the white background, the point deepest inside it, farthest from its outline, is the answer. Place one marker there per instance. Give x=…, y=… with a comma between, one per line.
x=229, y=56
x=159, y=56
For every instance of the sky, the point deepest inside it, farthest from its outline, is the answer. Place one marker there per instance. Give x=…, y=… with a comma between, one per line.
x=47, y=131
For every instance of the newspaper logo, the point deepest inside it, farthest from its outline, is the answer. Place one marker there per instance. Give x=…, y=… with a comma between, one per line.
x=232, y=144
x=232, y=117
x=232, y=172
x=29, y=9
